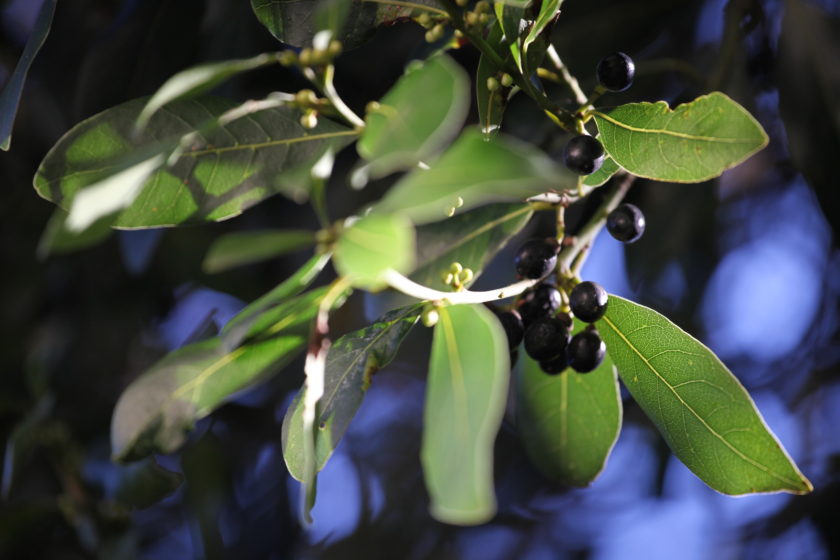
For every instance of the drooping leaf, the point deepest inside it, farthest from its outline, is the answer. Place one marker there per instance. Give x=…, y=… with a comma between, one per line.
x=351, y=361
x=701, y=409
x=248, y=247
x=469, y=369
x=472, y=172
x=373, y=245
x=420, y=115
x=693, y=142
x=292, y=22
x=12, y=90
x=568, y=422
x=154, y=414
x=240, y=325
x=604, y=174
x=232, y=168
x=491, y=104
x=197, y=80
x=472, y=239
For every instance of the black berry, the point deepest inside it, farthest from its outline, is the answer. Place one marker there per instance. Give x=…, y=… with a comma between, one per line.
x=514, y=329
x=546, y=338
x=536, y=303
x=555, y=365
x=588, y=301
x=536, y=257
x=586, y=351
x=615, y=71
x=583, y=154
x=626, y=223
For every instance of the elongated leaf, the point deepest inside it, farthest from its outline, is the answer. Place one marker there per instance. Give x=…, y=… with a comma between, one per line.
x=12, y=90
x=420, y=115
x=472, y=172
x=568, y=422
x=373, y=245
x=197, y=80
x=239, y=326
x=472, y=239
x=247, y=247
x=701, y=409
x=604, y=174
x=548, y=11
x=293, y=24
x=351, y=362
x=491, y=104
x=466, y=392
x=693, y=142
x=509, y=18
x=234, y=167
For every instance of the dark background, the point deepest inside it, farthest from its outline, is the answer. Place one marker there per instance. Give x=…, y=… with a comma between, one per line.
x=749, y=263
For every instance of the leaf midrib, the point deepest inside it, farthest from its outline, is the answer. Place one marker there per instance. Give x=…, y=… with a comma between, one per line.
x=676, y=134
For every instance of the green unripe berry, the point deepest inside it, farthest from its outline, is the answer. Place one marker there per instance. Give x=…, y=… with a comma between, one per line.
x=492, y=84
x=507, y=80
x=305, y=57
x=430, y=317
x=309, y=120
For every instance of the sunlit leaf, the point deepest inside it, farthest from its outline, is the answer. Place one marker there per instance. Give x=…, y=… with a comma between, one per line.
x=247, y=247
x=693, y=142
x=509, y=18
x=604, y=174
x=568, y=422
x=469, y=370
x=351, y=362
x=372, y=246
x=701, y=409
x=472, y=172
x=419, y=115
x=12, y=90
x=228, y=170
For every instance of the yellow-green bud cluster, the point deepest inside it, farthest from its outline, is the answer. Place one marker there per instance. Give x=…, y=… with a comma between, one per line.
x=457, y=276
x=311, y=56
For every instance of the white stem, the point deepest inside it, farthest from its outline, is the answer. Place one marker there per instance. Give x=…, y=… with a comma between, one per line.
x=413, y=289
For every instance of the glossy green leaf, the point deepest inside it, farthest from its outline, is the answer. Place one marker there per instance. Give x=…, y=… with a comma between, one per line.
x=247, y=247
x=233, y=167
x=372, y=246
x=417, y=118
x=475, y=171
x=509, y=18
x=568, y=422
x=701, y=409
x=472, y=239
x=292, y=22
x=491, y=104
x=548, y=11
x=12, y=90
x=240, y=325
x=693, y=142
x=604, y=174
x=466, y=391
x=197, y=80
x=351, y=362
x=154, y=414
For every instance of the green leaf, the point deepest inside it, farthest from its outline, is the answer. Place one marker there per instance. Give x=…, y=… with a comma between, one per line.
x=420, y=115
x=701, y=409
x=491, y=104
x=472, y=239
x=231, y=168
x=10, y=96
x=199, y=79
x=292, y=22
x=469, y=370
x=693, y=142
x=247, y=247
x=154, y=414
x=509, y=17
x=240, y=325
x=373, y=245
x=548, y=10
x=475, y=171
x=351, y=362
x=604, y=174
x=568, y=422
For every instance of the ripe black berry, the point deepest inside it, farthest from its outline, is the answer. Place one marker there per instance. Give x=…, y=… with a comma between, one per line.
x=536, y=303
x=588, y=301
x=586, y=351
x=583, y=154
x=536, y=257
x=546, y=338
x=555, y=365
x=626, y=223
x=514, y=329
x=615, y=71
